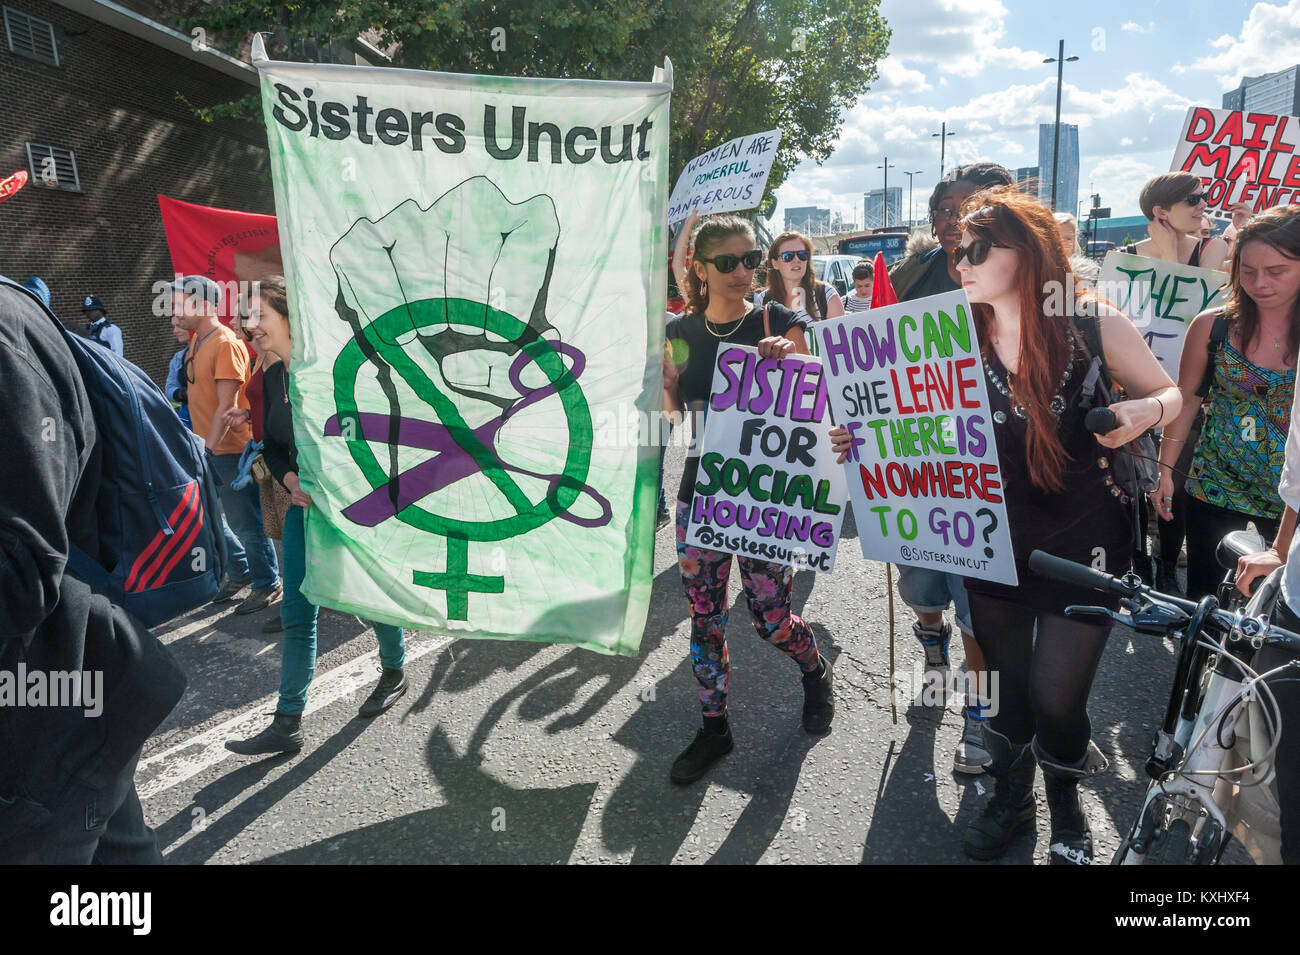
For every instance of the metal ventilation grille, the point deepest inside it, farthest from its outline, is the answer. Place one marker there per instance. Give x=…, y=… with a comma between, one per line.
x=31, y=37
x=53, y=167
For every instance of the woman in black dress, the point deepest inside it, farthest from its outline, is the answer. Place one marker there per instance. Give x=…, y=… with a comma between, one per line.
x=1061, y=498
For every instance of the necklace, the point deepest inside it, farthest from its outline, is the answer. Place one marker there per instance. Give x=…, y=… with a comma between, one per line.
x=709, y=326
x=1058, y=400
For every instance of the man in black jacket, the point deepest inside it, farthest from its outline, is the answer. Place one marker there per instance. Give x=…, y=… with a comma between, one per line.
x=67, y=791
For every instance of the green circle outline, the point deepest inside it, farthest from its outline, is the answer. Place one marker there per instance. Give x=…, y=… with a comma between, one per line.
x=382, y=333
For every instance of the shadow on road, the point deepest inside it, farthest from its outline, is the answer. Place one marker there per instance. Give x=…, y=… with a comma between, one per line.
x=230, y=787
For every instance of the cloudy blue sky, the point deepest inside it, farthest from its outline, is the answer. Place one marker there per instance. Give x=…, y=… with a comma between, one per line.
x=978, y=65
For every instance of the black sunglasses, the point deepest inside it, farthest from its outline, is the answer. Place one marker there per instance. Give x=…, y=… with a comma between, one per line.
x=801, y=255
x=1196, y=198
x=727, y=262
x=977, y=252
x=188, y=365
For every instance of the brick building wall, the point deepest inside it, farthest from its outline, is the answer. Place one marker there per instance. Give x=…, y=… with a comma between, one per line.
x=113, y=101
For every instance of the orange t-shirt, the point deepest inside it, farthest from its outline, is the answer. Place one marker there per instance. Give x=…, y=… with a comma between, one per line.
x=221, y=357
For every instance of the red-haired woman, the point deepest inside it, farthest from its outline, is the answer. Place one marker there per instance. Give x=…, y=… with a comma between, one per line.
x=1060, y=497
x=790, y=280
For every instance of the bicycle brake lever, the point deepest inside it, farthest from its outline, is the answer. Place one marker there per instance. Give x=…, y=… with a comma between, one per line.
x=1095, y=613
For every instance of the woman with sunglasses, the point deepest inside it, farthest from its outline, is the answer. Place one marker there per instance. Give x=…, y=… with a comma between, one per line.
x=790, y=280
x=267, y=323
x=1060, y=498
x=1236, y=463
x=719, y=278
x=1174, y=205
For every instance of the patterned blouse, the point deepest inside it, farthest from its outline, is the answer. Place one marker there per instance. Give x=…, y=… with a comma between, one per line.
x=1238, y=459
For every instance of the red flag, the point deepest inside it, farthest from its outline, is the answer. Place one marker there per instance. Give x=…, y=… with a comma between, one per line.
x=223, y=244
x=882, y=290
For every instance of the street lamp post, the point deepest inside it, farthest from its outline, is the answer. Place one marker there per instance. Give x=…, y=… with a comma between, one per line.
x=943, y=135
x=885, y=196
x=911, y=211
x=1060, y=61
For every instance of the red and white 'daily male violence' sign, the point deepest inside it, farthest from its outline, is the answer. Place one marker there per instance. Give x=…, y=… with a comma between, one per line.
x=1241, y=157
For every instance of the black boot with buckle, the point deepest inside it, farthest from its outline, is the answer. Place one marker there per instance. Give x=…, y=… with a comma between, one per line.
x=1071, y=842
x=1011, y=810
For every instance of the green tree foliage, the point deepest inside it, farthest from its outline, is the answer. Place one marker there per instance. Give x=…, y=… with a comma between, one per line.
x=740, y=66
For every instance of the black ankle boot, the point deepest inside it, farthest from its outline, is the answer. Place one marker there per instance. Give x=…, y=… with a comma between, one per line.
x=711, y=743
x=1011, y=810
x=391, y=685
x=1071, y=841
x=818, y=705
x=284, y=735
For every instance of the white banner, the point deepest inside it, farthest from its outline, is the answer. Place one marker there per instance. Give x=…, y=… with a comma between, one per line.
x=907, y=382
x=475, y=269
x=768, y=485
x=1241, y=157
x=1161, y=297
x=730, y=177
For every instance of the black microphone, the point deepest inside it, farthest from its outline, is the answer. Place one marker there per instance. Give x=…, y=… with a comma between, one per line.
x=1100, y=421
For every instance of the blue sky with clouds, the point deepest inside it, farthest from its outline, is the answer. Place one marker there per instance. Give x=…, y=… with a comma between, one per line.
x=978, y=65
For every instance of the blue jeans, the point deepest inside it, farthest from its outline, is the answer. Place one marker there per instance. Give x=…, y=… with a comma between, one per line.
x=298, y=655
x=246, y=539
x=930, y=591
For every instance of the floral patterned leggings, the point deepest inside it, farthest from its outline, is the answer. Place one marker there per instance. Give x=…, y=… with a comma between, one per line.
x=767, y=591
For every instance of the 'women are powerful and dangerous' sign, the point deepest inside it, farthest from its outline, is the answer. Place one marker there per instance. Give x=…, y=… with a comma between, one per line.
x=923, y=473
x=464, y=303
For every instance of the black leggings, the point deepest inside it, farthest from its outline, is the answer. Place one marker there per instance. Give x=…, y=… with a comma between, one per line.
x=1206, y=525
x=1044, y=678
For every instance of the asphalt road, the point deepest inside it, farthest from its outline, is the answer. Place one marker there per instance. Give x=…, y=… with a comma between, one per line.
x=530, y=753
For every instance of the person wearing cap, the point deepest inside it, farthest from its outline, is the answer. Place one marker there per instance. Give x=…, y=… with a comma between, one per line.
x=37, y=286
x=215, y=371
x=98, y=327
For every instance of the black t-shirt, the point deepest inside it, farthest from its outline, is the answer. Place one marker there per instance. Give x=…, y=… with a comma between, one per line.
x=695, y=350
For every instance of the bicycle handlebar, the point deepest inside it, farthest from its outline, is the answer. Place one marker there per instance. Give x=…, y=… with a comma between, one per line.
x=1067, y=571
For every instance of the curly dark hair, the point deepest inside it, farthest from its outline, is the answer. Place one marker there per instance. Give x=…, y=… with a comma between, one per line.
x=978, y=174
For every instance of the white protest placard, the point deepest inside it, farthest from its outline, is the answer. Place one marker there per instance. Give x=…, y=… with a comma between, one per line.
x=729, y=177
x=923, y=475
x=1241, y=156
x=768, y=485
x=1161, y=297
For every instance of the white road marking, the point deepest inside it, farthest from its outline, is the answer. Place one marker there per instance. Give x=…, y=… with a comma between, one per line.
x=173, y=766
